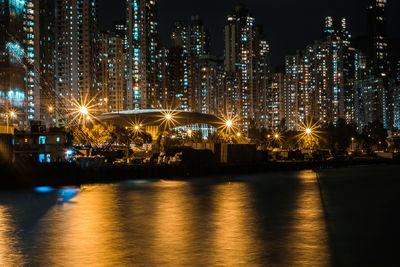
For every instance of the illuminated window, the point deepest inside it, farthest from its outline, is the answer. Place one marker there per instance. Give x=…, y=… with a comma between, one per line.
x=42, y=140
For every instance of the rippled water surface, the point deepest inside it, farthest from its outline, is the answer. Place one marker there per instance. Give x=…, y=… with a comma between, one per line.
x=272, y=219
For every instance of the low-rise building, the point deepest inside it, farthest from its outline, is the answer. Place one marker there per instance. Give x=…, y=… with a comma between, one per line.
x=42, y=146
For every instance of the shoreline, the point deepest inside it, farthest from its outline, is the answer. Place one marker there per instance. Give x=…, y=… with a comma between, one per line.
x=33, y=175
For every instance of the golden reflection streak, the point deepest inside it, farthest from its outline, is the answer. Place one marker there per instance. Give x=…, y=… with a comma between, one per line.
x=234, y=224
x=9, y=255
x=307, y=236
x=173, y=231
x=84, y=235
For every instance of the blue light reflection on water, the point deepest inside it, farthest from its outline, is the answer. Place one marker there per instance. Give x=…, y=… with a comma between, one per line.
x=66, y=194
x=63, y=194
x=44, y=189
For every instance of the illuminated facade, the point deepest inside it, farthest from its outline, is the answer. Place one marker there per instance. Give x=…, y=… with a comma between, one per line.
x=181, y=66
x=110, y=79
x=164, y=96
x=76, y=62
x=341, y=69
x=396, y=107
x=243, y=56
x=370, y=92
x=206, y=85
x=12, y=61
x=320, y=80
x=378, y=54
x=189, y=43
x=26, y=57
x=272, y=111
x=46, y=60
x=199, y=37
x=377, y=37
x=291, y=91
x=142, y=50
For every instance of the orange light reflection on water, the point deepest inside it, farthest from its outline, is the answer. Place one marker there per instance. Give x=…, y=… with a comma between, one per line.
x=9, y=253
x=307, y=239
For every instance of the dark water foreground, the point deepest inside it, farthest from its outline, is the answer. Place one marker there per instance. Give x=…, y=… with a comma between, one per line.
x=337, y=217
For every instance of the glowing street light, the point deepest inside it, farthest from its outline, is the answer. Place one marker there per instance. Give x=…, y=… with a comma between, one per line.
x=51, y=108
x=11, y=114
x=137, y=127
x=276, y=136
x=238, y=134
x=228, y=124
x=309, y=134
x=189, y=131
x=80, y=109
x=168, y=119
x=83, y=110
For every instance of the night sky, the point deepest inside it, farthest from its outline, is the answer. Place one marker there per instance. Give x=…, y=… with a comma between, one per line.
x=288, y=24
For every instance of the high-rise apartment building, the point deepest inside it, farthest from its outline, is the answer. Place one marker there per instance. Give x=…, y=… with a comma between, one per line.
x=377, y=37
x=320, y=80
x=76, y=55
x=272, y=112
x=46, y=59
x=199, y=37
x=396, y=107
x=164, y=77
x=243, y=41
x=110, y=78
x=181, y=66
x=341, y=68
x=26, y=64
x=206, y=84
x=189, y=43
x=142, y=50
x=379, y=57
x=13, y=67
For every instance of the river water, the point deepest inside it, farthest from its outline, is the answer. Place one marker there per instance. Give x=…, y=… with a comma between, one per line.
x=276, y=219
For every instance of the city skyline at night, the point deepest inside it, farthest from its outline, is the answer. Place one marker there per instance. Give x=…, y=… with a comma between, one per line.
x=65, y=59
x=199, y=133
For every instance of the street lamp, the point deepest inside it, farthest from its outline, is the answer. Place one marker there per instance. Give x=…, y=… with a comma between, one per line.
x=168, y=116
x=83, y=110
x=308, y=131
x=229, y=123
x=276, y=136
x=238, y=134
x=11, y=114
